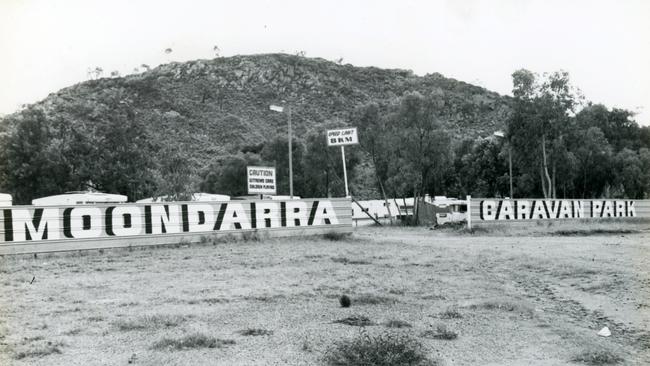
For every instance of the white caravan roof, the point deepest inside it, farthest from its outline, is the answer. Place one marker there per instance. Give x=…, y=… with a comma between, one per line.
x=79, y=198
x=197, y=197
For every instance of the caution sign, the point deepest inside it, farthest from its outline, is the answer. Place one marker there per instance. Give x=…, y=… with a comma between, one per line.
x=261, y=179
x=345, y=136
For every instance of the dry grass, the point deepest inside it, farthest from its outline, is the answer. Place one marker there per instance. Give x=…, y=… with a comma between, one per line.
x=583, y=227
x=440, y=332
x=32, y=339
x=451, y=313
x=192, y=341
x=39, y=350
x=345, y=260
x=255, y=332
x=587, y=232
x=335, y=236
x=371, y=299
x=505, y=305
x=208, y=300
x=524, y=291
x=385, y=349
x=597, y=356
x=356, y=320
x=265, y=298
x=395, y=323
x=150, y=322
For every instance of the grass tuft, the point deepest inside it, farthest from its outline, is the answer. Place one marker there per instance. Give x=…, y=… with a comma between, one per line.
x=345, y=260
x=336, y=236
x=39, y=351
x=381, y=350
x=597, y=357
x=395, y=323
x=192, y=341
x=505, y=305
x=586, y=232
x=370, y=299
x=440, y=332
x=255, y=332
x=150, y=322
x=356, y=320
x=451, y=313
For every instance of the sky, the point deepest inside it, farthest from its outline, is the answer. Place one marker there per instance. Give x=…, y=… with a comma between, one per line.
x=46, y=45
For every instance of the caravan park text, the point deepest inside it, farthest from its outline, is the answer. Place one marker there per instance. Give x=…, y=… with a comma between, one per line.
x=553, y=209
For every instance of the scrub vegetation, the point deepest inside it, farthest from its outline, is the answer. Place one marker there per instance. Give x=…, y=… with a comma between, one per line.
x=426, y=297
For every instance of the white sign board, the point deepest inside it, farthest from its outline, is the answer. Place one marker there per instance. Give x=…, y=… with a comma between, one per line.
x=261, y=179
x=345, y=136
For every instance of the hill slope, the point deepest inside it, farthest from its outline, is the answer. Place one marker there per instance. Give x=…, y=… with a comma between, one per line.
x=214, y=106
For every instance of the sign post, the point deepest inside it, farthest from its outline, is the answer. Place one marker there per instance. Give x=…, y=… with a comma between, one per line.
x=342, y=137
x=261, y=179
x=345, y=171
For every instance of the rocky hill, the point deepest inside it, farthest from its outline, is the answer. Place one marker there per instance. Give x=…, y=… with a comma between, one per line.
x=209, y=107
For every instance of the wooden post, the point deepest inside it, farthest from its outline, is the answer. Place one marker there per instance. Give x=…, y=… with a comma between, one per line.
x=366, y=212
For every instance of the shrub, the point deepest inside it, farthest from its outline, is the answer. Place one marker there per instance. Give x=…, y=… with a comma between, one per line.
x=336, y=236
x=506, y=305
x=150, y=322
x=346, y=260
x=255, y=332
x=356, y=320
x=196, y=340
x=345, y=302
x=451, y=313
x=370, y=299
x=394, y=323
x=441, y=332
x=381, y=350
x=39, y=351
x=597, y=357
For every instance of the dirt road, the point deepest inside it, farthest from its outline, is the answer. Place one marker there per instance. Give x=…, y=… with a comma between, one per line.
x=524, y=299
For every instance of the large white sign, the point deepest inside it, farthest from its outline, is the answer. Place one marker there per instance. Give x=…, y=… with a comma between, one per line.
x=29, y=223
x=261, y=179
x=345, y=136
x=551, y=209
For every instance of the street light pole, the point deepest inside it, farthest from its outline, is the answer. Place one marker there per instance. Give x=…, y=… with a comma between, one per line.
x=280, y=109
x=291, y=159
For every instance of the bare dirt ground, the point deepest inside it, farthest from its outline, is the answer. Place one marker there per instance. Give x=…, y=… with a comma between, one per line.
x=523, y=296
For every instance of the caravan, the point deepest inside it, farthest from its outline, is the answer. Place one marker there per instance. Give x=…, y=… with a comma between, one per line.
x=5, y=200
x=79, y=198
